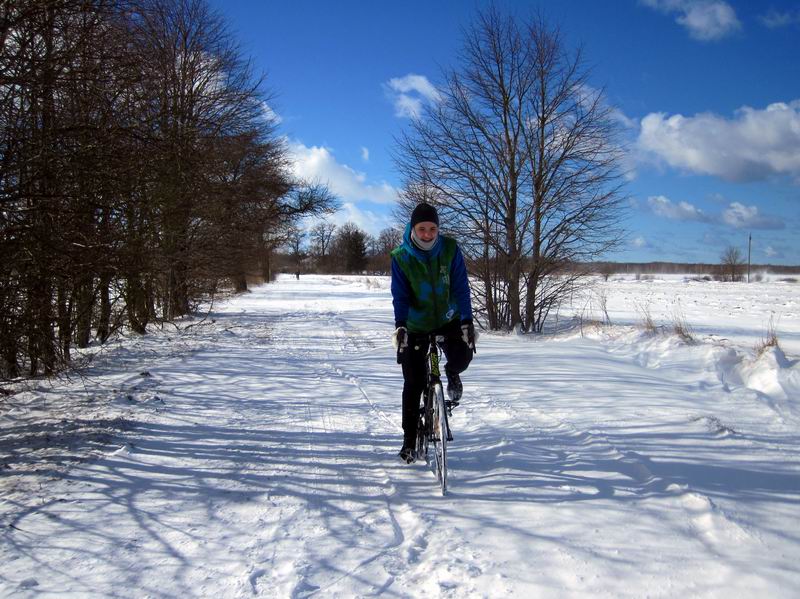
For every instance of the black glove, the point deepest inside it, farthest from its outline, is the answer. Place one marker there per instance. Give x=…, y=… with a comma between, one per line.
x=468, y=334
x=400, y=341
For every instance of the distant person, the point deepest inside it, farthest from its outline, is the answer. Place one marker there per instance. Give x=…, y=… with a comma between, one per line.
x=297, y=275
x=430, y=294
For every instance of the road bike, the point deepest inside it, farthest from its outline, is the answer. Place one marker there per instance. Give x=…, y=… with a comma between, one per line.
x=433, y=428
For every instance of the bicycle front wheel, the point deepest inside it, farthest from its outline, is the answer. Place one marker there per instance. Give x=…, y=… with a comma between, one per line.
x=422, y=434
x=440, y=437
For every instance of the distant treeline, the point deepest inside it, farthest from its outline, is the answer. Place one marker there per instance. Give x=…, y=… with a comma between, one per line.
x=371, y=257
x=613, y=268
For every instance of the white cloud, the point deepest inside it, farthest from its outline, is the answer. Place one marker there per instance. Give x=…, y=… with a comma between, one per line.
x=409, y=93
x=318, y=164
x=407, y=107
x=740, y=216
x=709, y=20
x=753, y=145
x=270, y=114
x=364, y=154
x=705, y=20
x=367, y=220
x=774, y=19
x=639, y=242
x=623, y=119
x=415, y=83
x=683, y=211
x=625, y=127
x=770, y=251
x=736, y=215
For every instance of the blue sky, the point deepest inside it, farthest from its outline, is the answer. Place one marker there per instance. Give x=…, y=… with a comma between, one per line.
x=709, y=91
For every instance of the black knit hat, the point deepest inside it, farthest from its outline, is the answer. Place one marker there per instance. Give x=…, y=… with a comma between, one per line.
x=424, y=213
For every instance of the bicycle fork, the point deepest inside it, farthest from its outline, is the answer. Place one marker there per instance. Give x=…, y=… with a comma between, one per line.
x=435, y=378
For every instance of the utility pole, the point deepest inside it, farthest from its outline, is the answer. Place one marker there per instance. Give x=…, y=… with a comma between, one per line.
x=749, y=246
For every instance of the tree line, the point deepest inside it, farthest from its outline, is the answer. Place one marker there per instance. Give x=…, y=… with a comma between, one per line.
x=327, y=248
x=140, y=171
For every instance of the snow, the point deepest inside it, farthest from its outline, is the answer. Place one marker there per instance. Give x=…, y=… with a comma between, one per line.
x=253, y=454
x=739, y=313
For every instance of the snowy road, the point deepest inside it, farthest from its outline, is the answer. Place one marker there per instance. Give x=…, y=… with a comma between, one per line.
x=261, y=461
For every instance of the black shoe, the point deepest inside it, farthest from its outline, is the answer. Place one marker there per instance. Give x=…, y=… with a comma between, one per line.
x=454, y=388
x=407, y=454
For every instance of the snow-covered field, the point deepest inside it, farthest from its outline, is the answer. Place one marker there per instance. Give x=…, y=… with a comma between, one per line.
x=739, y=314
x=253, y=454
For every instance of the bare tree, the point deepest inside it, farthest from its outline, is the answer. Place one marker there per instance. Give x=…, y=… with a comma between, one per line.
x=732, y=261
x=575, y=156
x=380, y=256
x=320, y=236
x=295, y=241
x=520, y=156
x=138, y=171
x=54, y=176
x=389, y=239
x=349, y=248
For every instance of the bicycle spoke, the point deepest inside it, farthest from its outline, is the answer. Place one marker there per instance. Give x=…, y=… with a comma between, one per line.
x=441, y=438
x=434, y=429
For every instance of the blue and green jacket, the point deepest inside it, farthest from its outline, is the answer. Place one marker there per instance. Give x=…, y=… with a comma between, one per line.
x=429, y=289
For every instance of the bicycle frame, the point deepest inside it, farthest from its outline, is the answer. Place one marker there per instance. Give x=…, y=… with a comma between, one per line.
x=434, y=427
x=434, y=374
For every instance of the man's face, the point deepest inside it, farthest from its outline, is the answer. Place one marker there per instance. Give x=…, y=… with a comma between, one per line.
x=426, y=231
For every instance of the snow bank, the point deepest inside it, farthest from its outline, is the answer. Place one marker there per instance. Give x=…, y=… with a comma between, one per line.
x=775, y=378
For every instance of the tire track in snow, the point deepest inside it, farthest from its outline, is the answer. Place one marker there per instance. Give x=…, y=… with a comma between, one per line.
x=411, y=529
x=406, y=560
x=356, y=382
x=406, y=527
x=421, y=557
x=418, y=531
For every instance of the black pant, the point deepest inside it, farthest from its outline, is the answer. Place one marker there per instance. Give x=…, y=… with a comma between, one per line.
x=415, y=373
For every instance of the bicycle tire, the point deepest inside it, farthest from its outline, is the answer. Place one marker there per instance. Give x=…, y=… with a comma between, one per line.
x=422, y=436
x=440, y=436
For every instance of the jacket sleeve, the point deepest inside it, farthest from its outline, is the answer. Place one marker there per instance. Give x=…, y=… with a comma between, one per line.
x=401, y=292
x=459, y=285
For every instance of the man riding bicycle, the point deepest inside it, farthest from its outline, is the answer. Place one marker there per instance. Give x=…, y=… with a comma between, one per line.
x=430, y=294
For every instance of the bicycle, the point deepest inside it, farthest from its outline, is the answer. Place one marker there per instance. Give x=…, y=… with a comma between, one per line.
x=433, y=427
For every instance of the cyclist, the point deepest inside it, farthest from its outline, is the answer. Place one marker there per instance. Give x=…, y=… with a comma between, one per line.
x=430, y=294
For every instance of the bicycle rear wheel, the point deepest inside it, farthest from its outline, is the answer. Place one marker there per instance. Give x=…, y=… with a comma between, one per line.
x=440, y=437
